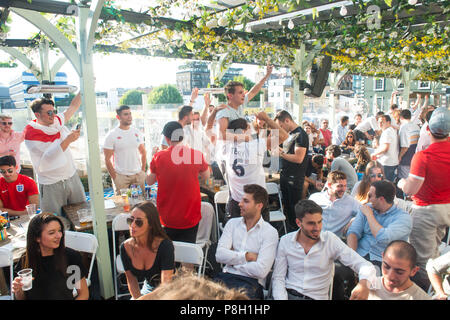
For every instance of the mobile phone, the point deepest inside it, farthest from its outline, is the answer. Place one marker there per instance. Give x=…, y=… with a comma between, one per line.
x=78, y=126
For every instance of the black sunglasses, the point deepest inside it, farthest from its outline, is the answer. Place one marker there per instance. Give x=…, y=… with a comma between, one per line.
x=5, y=123
x=4, y=171
x=51, y=112
x=373, y=175
x=139, y=222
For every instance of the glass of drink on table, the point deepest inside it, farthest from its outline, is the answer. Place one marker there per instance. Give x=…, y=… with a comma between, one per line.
x=126, y=202
x=31, y=210
x=84, y=216
x=27, y=278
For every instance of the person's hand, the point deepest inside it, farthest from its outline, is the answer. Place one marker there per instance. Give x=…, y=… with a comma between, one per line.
x=194, y=94
x=17, y=285
x=207, y=99
x=269, y=69
x=440, y=296
x=319, y=185
x=360, y=292
x=366, y=210
x=401, y=183
x=251, y=256
x=74, y=135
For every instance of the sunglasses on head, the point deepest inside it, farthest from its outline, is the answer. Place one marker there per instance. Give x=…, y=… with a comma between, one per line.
x=138, y=221
x=7, y=170
x=373, y=175
x=6, y=123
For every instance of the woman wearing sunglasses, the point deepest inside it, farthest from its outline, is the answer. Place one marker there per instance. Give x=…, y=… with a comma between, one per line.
x=374, y=172
x=349, y=143
x=57, y=270
x=149, y=254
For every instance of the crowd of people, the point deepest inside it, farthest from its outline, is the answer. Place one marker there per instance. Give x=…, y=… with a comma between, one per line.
x=366, y=204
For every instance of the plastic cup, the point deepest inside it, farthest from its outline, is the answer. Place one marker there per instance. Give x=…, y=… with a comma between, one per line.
x=84, y=216
x=31, y=210
x=27, y=278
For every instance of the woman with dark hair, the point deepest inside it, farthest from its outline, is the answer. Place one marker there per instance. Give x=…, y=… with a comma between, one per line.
x=149, y=254
x=374, y=172
x=349, y=143
x=56, y=269
x=363, y=158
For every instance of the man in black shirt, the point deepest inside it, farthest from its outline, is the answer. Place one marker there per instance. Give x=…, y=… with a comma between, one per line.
x=293, y=164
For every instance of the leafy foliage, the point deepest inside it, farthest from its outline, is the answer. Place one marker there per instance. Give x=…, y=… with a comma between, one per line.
x=132, y=98
x=165, y=94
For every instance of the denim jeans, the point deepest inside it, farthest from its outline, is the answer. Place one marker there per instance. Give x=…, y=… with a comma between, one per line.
x=389, y=172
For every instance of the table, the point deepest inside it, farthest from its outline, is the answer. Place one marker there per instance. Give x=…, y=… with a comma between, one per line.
x=70, y=211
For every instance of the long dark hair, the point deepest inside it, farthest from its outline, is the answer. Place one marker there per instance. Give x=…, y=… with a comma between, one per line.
x=363, y=189
x=33, y=256
x=155, y=229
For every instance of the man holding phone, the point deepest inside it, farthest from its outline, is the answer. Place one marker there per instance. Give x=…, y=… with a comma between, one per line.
x=48, y=140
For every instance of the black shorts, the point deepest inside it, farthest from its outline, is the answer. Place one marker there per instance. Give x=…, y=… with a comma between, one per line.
x=183, y=235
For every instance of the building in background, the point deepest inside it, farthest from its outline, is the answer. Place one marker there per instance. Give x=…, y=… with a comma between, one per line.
x=5, y=98
x=194, y=74
x=18, y=88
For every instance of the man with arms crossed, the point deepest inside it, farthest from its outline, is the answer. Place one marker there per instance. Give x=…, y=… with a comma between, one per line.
x=125, y=144
x=304, y=263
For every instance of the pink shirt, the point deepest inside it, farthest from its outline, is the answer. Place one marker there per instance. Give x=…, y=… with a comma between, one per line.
x=11, y=146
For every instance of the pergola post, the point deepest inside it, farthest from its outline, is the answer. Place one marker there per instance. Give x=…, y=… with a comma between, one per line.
x=82, y=63
x=334, y=80
x=408, y=75
x=217, y=71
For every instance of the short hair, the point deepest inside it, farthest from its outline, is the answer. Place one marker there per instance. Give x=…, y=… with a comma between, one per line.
x=8, y=161
x=344, y=119
x=230, y=87
x=306, y=206
x=405, y=114
x=36, y=105
x=334, y=150
x=184, y=111
x=4, y=116
x=282, y=115
x=394, y=106
x=386, y=118
x=402, y=250
x=428, y=115
x=379, y=114
x=187, y=286
x=358, y=115
x=317, y=159
x=121, y=108
x=335, y=176
x=197, y=113
x=385, y=189
x=236, y=124
x=259, y=194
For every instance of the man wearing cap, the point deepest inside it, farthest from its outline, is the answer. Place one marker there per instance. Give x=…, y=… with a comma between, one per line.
x=177, y=170
x=428, y=184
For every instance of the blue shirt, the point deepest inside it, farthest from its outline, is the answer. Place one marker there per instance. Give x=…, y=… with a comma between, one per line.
x=397, y=225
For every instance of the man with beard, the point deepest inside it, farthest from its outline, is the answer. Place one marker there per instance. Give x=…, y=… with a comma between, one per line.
x=304, y=263
x=378, y=223
x=126, y=145
x=10, y=140
x=338, y=207
x=248, y=245
x=398, y=267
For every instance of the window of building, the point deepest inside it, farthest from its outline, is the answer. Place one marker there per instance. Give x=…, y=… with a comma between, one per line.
x=378, y=84
x=424, y=85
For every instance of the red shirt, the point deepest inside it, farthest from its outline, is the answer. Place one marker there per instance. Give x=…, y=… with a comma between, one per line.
x=326, y=137
x=15, y=195
x=433, y=166
x=178, y=199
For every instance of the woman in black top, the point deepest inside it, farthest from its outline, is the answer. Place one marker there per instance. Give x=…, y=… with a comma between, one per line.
x=149, y=253
x=56, y=269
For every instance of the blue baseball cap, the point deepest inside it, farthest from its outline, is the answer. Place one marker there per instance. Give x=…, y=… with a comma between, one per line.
x=439, y=123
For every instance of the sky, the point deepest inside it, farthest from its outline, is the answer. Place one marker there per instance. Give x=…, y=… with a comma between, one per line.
x=111, y=71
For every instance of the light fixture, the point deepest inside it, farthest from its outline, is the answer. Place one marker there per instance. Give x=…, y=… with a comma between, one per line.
x=341, y=91
x=412, y=2
x=51, y=88
x=291, y=24
x=343, y=11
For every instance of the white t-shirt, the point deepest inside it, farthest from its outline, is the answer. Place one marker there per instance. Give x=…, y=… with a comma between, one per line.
x=243, y=164
x=408, y=134
x=414, y=292
x=424, y=138
x=367, y=124
x=231, y=113
x=389, y=158
x=125, y=143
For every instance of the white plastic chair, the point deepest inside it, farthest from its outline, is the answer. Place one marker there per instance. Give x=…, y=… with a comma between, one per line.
x=278, y=215
x=192, y=253
x=220, y=197
x=84, y=242
x=204, y=229
x=119, y=224
x=6, y=260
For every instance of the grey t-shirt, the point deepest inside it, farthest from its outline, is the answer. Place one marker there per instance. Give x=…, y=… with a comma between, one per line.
x=231, y=113
x=343, y=165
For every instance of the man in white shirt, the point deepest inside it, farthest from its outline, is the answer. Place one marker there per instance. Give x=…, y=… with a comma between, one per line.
x=370, y=124
x=244, y=160
x=248, y=245
x=125, y=144
x=48, y=140
x=340, y=131
x=237, y=97
x=185, y=116
x=409, y=136
x=305, y=260
x=398, y=267
x=387, y=152
x=338, y=207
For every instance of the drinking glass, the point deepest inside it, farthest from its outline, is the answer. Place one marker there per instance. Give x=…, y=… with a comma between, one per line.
x=84, y=215
x=27, y=278
x=31, y=210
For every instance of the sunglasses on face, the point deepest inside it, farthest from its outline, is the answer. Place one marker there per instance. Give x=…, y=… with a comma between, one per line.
x=139, y=222
x=6, y=123
x=373, y=175
x=8, y=170
x=51, y=112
